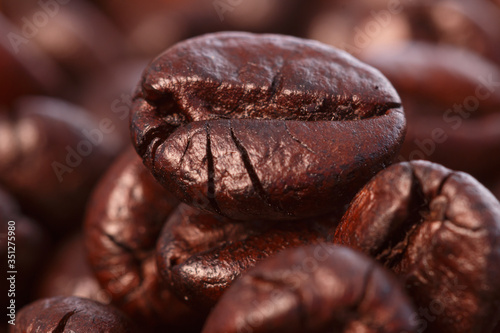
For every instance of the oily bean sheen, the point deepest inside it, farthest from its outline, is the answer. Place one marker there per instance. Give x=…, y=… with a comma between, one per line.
x=199, y=255
x=264, y=126
x=124, y=219
x=319, y=288
x=439, y=231
x=71, y=314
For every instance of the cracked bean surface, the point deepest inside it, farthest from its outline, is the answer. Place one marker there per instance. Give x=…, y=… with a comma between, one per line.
x=125, y=216
x=439, y=231
x=264, y=126
x=71, y=314
x=199, y=255
x=318, y=288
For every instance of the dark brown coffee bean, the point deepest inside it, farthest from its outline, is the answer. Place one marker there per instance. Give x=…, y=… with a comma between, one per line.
x=443, y=75
x=68, y=273
x=264, y=126
x=52, y=153
x=157, y=24
x=452, y=101
x=75, y=34
x=200, y=254
x=321, y=288
x=472, y=25
x=71, y=314
x=358, y=25
x=439, y=231
x=24, y=248
x=108, y=94
x=125, y=216
x=25, y=68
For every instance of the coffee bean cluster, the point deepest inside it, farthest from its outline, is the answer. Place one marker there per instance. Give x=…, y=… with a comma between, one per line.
x=250, y=166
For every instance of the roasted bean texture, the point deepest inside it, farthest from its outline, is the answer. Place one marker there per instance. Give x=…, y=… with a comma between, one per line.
x=320, y=288
x=126, y=214
x=71, y=314
x=264, y=126
x=201, y=254
x=439, y=231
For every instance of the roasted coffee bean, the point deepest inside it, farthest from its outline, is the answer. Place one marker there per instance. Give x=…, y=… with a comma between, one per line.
x=68, y=273
x=422, y=69
x=320, y=288
x=71, y=314
x=25, y=68
x=439, y=231
x=357, y=25
x=24, y=246
x=451, y=102
x=75, y=34
x=264, y=126
x=201, y=254
x=124, y=218
x=158, y=23
x=472, y=25
x=52, y=153
x=108, y=94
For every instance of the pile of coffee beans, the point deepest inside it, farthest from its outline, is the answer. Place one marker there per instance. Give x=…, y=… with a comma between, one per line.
x=250, y=166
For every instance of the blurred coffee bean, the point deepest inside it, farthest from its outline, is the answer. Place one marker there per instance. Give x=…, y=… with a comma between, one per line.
x=182, y=19
x=470, y=25
x=452, y=100
x=108, y=94
x=68, y=273
x=25, y=68
x=52, y=153
x=24, y=248
x=357, y=26
x=75, y=33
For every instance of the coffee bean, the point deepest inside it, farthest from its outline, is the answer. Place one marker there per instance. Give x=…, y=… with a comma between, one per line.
x=476, y=27
x=68, y=273
x=86, y=40
x=53, y=153
x=438, y=230
x=25, y=68
x=25, y=247
x=71, y=314
x=200, y=254
x=452, y=102
x=320, y=288
x=264, y=126
x=125, y=216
